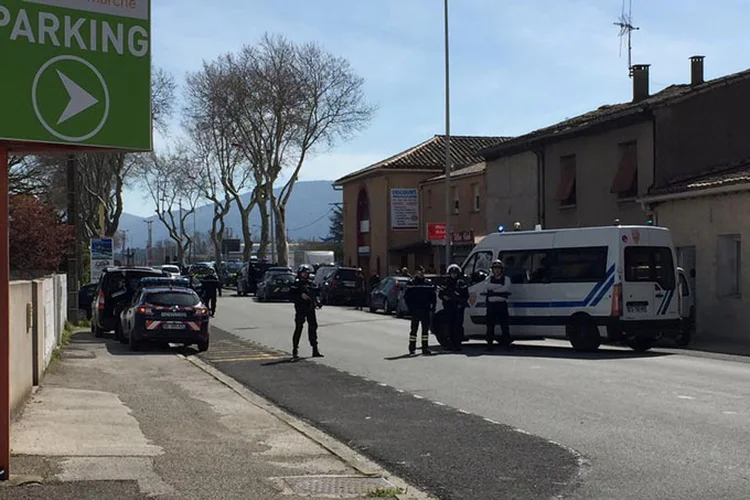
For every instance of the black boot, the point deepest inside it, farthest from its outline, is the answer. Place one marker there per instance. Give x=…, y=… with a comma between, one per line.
x=426, y=350
x=412, y=348
x=316, y=353
x=295, y=353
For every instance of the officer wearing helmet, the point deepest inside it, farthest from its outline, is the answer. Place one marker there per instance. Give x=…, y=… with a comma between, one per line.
x=497, y=292
x=455, y=295
x=306, y=301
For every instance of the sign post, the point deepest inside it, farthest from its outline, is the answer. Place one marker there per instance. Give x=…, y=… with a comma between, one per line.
x=76, y=77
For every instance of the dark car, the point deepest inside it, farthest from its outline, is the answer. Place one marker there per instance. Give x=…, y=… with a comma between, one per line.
x=86, y=296
x=276, y=286
x=386, y=294
x=231, y=272
x=435, y=279
x=115, y=290
x=167, y=315
x=250, y=275
x=338, y=286
x=162, y=281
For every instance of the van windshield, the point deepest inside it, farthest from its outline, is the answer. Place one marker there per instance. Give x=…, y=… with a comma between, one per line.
x=650, y=264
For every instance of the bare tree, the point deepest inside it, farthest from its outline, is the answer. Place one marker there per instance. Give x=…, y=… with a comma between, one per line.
x=286, y=102
x=170, y=182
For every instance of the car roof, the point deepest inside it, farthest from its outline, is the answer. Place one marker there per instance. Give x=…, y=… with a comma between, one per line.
x=165, y=289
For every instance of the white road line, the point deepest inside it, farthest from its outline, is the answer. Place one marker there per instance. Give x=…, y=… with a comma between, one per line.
x=685, y=397
x=400, y=391
x=382, y=384
x=417, y=396
x=491, y=421
x=464, y=412
x=729, y=412
x=439, y=403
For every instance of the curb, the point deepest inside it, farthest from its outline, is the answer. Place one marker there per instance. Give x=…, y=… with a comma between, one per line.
x=350, y=457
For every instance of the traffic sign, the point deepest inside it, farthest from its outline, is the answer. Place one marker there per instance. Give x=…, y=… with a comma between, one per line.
x=76, y=73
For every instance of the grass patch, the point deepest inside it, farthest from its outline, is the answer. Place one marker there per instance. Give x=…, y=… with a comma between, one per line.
x=385, y=493
x=64, y=340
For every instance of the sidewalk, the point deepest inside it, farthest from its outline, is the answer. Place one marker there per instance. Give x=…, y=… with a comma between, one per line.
x=111, y=424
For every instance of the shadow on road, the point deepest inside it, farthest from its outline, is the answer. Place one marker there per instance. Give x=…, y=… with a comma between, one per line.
x=558, y=352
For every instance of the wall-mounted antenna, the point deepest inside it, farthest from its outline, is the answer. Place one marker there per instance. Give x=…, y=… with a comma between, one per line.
x=625, y=22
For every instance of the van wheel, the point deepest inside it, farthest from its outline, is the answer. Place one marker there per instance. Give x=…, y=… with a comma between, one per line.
x=640, y=344
x=584, y=335
x=440, y=332
x=98, y=332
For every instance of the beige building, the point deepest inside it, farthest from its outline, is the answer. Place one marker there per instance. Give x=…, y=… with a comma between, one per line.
x=384, y=226
x=468, y=221
x=708, y=218
x=512, y=186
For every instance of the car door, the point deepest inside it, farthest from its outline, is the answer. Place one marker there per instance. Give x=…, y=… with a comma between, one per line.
x=477, y=266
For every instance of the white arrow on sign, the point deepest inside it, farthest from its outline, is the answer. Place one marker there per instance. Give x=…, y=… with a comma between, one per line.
x=80, y=100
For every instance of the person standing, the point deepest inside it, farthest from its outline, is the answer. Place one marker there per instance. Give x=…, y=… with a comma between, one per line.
x=306, y=301
x=360, y=292
x=497, y=292
x=210, y=286
x=420, y=300
x=455, y=295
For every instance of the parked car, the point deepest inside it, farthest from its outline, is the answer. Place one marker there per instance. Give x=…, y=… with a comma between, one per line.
x=386, y=294
x=275, y=286
x=401, y=309
x=166, y=315
x=338, y=286
x=116, y=288
x=231, y=272
x=250, y=276
x=86, y=296
x=171, y=269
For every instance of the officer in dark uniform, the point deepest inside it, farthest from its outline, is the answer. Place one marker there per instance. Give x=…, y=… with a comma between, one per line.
x=455, y=295
x=306, y=300
x=210, y=286
x=420, y=300
x=497, y=292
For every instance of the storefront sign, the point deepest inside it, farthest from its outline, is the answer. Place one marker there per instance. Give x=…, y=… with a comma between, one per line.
x=404, y=209
x=435, y=231
x=102, y=255
x=463, y=237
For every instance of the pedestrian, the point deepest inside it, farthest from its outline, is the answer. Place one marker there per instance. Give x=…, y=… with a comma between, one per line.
x=420, y=300
x=359, y=290
x=455, y=295
x=306, y=301
x=497, y=292
x=405, y=272
x=210, y=286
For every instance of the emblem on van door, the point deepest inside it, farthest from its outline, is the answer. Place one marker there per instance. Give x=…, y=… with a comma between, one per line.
x=636, y=236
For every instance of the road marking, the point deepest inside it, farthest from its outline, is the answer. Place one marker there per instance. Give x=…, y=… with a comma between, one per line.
x=264, y=357
x=400, y=391
x=417, y=396
x=491, y=421
x=382, y=384
x=439, y=403
x=685, y=397
x=729, y=412
x=464, y=412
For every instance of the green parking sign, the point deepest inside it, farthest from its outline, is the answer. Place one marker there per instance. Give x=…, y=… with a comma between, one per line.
x=76, y=73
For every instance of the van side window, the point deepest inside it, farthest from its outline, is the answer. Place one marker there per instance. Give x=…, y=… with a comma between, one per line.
x=577, y=265
x=650, y=264
x=480, y=261
x=518, y=265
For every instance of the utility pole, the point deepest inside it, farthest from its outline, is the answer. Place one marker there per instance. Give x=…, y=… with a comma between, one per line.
x=149, y=256
x=74, y=275
x=448, y=166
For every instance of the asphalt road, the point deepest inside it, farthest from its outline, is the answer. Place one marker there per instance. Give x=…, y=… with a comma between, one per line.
x=663, y=425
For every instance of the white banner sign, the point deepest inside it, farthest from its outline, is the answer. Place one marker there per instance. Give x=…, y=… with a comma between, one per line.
x=102, y=255
x=404, y=209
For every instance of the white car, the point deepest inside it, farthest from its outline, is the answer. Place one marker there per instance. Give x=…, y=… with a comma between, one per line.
x=171, y=269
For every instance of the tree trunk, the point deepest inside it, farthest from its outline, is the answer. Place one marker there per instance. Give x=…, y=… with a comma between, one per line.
x=264, y=237
x=217, y=235
x=247, y=234
x=280, y=228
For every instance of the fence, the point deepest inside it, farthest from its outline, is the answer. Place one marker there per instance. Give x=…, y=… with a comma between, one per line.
x=38, y=310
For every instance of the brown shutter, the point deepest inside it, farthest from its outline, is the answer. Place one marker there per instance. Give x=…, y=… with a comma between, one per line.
x=567, y=178
x=626, y=171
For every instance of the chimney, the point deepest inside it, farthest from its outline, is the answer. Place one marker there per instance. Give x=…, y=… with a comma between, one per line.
x=640, y=82
x=696, y=70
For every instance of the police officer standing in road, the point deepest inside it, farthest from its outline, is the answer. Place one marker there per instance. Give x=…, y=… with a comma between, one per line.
x=306, y=301
x=210, y=286
x=455, y=295
x=497, y=291
x=420, y=300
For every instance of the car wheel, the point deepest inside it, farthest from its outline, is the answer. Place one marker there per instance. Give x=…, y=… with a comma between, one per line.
x=640, y=344
x=373, y=308
x=98, y=332
x=584, y=335
x=133, y=344
x=123, y=339
x=118, y=331
x=203, y=346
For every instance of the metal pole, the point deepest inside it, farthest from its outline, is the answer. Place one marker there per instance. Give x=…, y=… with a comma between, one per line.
x=448, y=208
x=73, y=269
x=4, y=319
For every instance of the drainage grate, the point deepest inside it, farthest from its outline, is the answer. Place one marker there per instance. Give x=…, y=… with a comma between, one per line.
x=337, y=486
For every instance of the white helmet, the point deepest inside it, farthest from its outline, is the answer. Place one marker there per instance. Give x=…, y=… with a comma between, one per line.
x=454, y=267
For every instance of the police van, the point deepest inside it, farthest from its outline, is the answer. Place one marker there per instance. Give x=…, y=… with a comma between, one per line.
x=592, y=285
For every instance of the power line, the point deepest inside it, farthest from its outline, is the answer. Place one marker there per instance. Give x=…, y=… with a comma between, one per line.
x=313, y=222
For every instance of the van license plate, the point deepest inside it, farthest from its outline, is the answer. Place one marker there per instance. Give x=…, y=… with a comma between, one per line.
x=172, y=325
x=637, y=308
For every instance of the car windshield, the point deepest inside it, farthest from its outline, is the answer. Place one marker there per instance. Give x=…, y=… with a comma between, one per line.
x=171, y=269
x=284, y=278
x=347, y=274
x=172, y=298
x=129, y=280
x=233, y=267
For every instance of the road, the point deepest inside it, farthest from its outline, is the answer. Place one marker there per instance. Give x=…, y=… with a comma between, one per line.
x=660, y=425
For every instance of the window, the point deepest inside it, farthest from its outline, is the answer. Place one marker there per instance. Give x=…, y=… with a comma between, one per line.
x=650, y=264
x=476, y=196
x=172, y=299
x=729, y=263
x=566, y=190
x=428, y=199
x=480, y=261
x=684, y=287
x=560, y=265
x=455, y=199
x=625, y=183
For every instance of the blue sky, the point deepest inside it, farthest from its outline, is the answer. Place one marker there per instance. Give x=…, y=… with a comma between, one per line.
x=516, y=65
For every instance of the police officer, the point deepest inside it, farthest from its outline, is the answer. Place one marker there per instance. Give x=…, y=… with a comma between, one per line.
x=306, y=300
x=455, y=295
x=497, y=291
x=210, y=285
x=419, y=296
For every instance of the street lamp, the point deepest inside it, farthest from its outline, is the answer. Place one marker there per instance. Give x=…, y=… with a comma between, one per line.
x=447, y=142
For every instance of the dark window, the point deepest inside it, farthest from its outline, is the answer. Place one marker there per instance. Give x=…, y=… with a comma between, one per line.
x=650, y=264
x=566, y=190
x=172, y=299
x=346, y=274
x=480, y=261
x=560, y=265
x=625, y=183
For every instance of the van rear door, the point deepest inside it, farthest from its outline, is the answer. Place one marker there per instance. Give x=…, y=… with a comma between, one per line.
x=649, y=282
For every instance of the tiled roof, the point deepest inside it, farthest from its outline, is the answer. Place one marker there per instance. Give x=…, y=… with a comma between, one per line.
x=477, y=168
x=610, y=113
x=726, y=175
x=430, y=155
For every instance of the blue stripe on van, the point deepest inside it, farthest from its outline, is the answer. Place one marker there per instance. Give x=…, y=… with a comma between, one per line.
x=596, y=294
x=666, y=302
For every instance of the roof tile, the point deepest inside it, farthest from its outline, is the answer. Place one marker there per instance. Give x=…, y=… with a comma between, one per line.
x=725, y=175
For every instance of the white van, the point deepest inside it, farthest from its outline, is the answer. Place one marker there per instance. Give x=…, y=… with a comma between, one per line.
x=593, y=285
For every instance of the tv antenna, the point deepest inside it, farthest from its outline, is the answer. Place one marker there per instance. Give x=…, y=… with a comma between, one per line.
x=625, y=23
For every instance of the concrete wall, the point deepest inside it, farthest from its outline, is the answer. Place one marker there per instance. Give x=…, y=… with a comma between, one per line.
x=708, y=129
x=512, y=192
x=698, y=222
x=33, y=338
x=597, y=161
